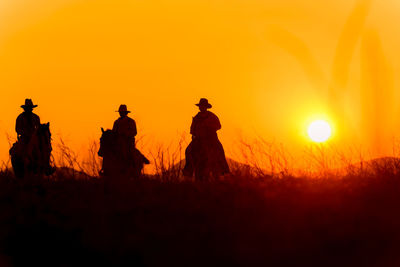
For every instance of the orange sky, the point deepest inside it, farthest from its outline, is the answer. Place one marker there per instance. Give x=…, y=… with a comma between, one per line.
x=267, y=66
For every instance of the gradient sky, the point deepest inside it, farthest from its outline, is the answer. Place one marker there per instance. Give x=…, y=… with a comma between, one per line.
x=267, y=66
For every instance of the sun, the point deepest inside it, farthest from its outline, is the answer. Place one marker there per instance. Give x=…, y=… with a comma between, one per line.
x=319, y=131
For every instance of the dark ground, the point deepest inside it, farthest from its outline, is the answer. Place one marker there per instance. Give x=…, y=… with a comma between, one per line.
x=353, y=221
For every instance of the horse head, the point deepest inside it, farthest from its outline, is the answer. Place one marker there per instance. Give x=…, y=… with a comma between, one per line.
x=107, y=142
x=44, y=135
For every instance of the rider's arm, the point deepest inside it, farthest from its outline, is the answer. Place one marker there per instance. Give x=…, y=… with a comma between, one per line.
x=193, y=127
x=115, y=126
x=133, y=129
x=38, y=119
x=18, y=125
x=213, y=123
x=217, y=123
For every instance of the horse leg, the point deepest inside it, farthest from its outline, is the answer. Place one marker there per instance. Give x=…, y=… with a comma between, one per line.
x=198, y=175
x=200, y=171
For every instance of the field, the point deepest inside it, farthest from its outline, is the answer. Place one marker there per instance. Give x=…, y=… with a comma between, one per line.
x=240, y=220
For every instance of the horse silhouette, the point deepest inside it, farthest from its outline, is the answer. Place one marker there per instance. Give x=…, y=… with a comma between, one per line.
x=115, y=163
x=33, y=158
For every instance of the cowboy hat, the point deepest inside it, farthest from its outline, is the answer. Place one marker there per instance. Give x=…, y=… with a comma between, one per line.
x=123, y=108
x=28, y=104
x=204, y=102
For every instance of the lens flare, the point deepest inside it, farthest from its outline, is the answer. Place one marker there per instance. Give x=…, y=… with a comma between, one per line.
x=319, y=131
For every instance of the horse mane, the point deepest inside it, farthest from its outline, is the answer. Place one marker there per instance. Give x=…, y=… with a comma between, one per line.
x=43, y=134
x=107, y=140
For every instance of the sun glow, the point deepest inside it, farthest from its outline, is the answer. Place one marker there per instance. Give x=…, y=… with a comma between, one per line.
x=319, y=131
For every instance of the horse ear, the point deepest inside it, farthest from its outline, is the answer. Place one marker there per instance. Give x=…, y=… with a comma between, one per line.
x=102, y=129
x=48, y=124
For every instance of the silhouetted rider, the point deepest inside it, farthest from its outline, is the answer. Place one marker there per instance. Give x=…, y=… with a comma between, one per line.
x=204, y=129
x=205, y=124
x=27, y=122
x=125, y=127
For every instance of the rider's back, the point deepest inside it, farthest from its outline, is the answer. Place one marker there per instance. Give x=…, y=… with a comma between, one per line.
x=205, y=124
x=125, y=126
x=27, y=123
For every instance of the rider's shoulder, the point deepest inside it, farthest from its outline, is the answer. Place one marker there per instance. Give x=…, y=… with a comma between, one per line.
x=24, y=116
x=125, y=119
x=129, y=119
x=210, y=114
x=35, y=116
x=20, y=116
x=205, y=114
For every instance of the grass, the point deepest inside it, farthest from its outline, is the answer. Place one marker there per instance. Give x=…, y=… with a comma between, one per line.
x=242, y=220
x=265, y=213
